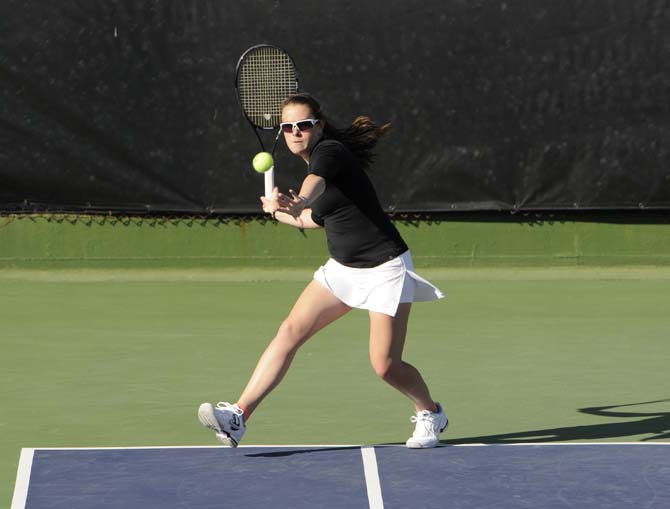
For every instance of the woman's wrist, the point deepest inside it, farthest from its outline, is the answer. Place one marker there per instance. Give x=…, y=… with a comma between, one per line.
x=304, y=201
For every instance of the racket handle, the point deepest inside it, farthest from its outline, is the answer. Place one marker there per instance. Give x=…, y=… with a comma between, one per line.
x=269, y=181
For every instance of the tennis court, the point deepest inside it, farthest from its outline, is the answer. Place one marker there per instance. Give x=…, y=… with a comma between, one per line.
x=565, y=475
x=121, y=359
x=518, y=148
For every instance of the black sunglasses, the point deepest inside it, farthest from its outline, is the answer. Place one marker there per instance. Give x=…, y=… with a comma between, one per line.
x=302, y=125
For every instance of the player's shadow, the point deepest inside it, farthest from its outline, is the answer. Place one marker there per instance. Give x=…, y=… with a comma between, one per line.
x=651, y=423
x=299, y=450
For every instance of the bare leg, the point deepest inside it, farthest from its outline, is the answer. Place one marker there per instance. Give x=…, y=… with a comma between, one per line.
x=387, y=340
x=315, y=308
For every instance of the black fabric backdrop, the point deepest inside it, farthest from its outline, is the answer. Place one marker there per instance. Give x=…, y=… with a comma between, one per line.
x=129, y=106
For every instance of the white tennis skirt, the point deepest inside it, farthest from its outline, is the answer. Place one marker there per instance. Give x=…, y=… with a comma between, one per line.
x=379, y=288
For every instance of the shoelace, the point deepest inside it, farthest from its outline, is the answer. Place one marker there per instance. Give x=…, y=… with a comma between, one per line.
x=223, y=405
x=427, y=419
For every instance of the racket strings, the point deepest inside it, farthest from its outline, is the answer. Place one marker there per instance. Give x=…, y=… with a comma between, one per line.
x=266, y=77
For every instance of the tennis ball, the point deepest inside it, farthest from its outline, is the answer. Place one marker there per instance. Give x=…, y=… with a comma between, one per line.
x=263, y=162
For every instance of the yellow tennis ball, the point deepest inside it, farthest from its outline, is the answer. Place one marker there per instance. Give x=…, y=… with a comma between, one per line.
x=263, y=162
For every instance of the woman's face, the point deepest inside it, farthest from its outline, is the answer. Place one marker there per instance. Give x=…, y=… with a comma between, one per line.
x=300, y=142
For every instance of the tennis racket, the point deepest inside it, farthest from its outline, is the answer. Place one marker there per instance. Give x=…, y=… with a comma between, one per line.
x=265, y=77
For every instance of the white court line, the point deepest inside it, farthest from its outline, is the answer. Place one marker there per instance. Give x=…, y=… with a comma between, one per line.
x=223, y=448
x=554, y=444
x=23, y=479
x=372, y=478
x=339, y=446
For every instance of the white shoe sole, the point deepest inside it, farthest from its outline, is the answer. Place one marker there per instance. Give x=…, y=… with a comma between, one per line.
x=419, y=445
x=208, y=419
x=226, y=439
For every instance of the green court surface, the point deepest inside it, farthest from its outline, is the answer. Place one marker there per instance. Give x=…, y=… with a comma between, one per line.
x=123, y=358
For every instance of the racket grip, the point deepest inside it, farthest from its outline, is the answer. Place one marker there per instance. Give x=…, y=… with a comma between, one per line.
x=269, y=181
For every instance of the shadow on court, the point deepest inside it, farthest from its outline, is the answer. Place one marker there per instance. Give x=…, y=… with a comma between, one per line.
x=652, y=423
x=307, y=450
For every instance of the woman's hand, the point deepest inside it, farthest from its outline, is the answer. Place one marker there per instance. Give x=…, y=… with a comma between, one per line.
x=292, y=205
x=271, y=203
x=290, y=210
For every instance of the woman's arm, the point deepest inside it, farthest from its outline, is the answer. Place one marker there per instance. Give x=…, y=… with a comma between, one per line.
x=312, y=187
x=304, y=221
x=292, y=210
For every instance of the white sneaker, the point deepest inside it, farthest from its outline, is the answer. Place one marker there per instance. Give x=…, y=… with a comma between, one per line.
x=225, y=419
x=429, y=425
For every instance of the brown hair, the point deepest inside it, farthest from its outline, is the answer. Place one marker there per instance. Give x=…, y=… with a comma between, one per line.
x=360, y=137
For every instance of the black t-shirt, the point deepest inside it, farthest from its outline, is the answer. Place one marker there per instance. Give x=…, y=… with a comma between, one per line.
x=358, y=231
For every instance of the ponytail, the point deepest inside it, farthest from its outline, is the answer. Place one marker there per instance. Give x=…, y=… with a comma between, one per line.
x=360, y=137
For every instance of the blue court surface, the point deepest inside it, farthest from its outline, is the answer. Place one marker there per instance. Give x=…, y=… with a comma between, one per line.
x=612, y=475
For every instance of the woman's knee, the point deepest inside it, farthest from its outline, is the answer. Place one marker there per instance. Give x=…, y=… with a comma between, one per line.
x=385, y=368
x=291, y=334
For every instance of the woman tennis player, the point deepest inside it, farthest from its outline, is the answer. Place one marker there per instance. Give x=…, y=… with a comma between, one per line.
x=369, y=268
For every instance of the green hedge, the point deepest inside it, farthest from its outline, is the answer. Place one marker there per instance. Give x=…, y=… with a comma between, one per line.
x=62, y=241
